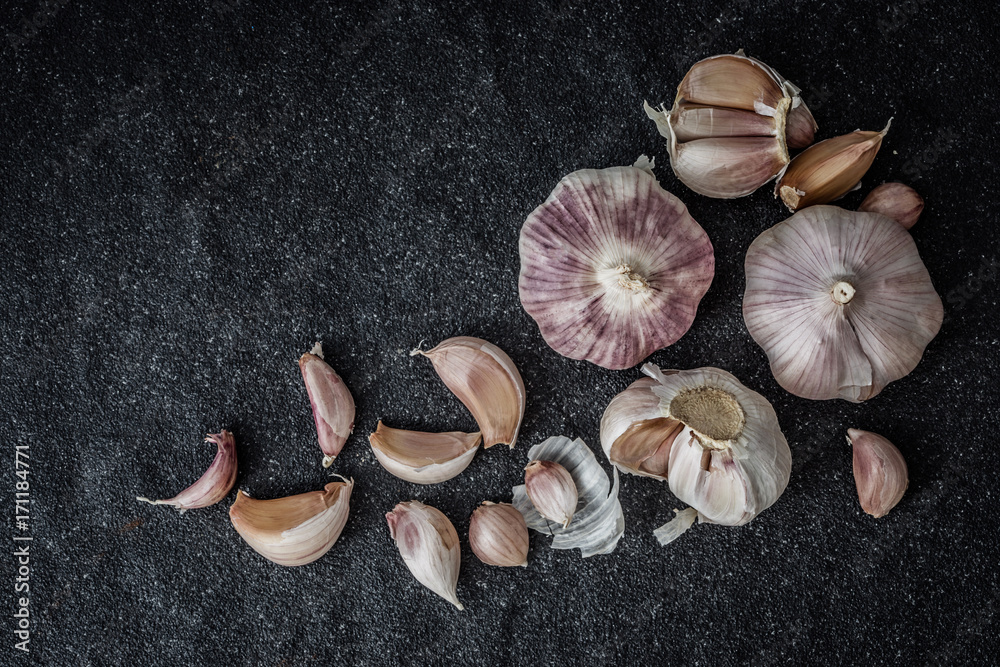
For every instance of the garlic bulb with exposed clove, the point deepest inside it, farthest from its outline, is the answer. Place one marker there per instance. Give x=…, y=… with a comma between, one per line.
x=879, y=472
x=498, y=535
x=613, y=266
x=731, y=125
x=423, y=458
x=214, y=484
x=895, y=200
x=428, y=543
x=294, y=530
x=487, y=382
x=551, y=490
x=840, y=302
x=331, y=401
x=828, y=170
x=716, y=442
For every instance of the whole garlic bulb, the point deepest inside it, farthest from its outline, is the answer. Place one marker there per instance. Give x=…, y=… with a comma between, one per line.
x=840, y=302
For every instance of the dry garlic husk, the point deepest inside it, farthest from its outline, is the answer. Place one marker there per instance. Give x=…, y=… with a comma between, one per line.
x=598, y=523
x=716, y=442
x=879, y=472
x=487, y=382
x=423, y=458
x=828, y=170
x=840, y=302
x=551, y=490
x=498, y=535
x=331, y=401
x=731, y=125
x=613, y=266
x=214, y=484
x=895, y=200
x=294, y=530
x=428, y=543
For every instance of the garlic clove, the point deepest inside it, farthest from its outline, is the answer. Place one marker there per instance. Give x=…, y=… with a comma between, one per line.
x=295, y=530
x=487, y=382
x=840, y=302
x=895, y=200
x=879, y=472
x=613, y=267
x=727, y=167
x=428, y=543
x=214, y=484
x=331, y=401
x=800, y=127
x=551, y=490
x=829, y=169
x=733, y=81
x=693, y=121
x=636, y=403
x=498, y=535
x=423, y=458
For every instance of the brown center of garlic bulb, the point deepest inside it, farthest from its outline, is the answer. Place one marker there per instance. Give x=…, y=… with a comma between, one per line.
x=712, y=413
x=628, y=279
x=842, y=292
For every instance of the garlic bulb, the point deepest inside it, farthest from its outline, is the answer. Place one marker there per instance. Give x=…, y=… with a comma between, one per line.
x=332, y=403
x=895, y=200
x=551, y=490
x=879, y=472
x=428, y=543
x=487, y=382
x=840, y=302
x=423, y=458
x=214, y=483
x=731, y=125
x=613, y=266
x=295, y=530
x=498, y=535
x=717, y=443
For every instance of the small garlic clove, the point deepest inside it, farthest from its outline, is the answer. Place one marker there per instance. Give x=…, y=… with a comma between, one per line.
x=428, y=543
x=423, y=458
x=693, y=121
x=498, y=535
x=800, y=127
x=214, y=484
x=727, y=167
x=829, y=169
x=294, y=530
x=895, y=200
x=879, y=472
x=487, y=382
x=331, y=401
x=551, y=490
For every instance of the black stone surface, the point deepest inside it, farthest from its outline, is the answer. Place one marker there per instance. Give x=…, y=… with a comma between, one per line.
x=194, y=193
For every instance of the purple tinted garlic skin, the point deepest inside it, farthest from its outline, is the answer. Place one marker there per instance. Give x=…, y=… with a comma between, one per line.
x=428, y=543
x=331, y=401
x=880, y=472
x=552, y=491
x=613, y=266
x=498, y=535
x=214, y=484
x=895, y=200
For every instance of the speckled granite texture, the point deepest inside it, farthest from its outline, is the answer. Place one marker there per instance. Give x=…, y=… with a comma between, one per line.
x=194, y=193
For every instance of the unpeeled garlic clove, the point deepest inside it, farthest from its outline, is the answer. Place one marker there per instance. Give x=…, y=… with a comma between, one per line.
x=551, y=490
x=498, y=535
x=423, y=458
x=214, y=484
x=294, y=530
x=800, y=127
x=895, y=200
x=635, y=435
x=879, y=472
x=428, y=543
x=331, y=401
x=487, y=382
x=829, y=169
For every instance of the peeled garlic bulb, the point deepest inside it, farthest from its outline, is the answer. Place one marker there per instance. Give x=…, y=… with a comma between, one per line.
x=332, y=403
x=498, y=535
x=428, y=543
x=879, y=472
x=840, y=302
x=214, y=483
x=423, y=458
x=613, y=266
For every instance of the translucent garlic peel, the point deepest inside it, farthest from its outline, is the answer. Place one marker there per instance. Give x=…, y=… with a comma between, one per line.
x=428, y=543
x=214, y=484
x=820, y=347
x=598, y=523
x=880, y=472
x=613, y=266
x=331, y=401
x=671, y=530
x=423, y=458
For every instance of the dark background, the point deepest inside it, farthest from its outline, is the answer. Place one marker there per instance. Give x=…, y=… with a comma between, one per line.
x=193, y=194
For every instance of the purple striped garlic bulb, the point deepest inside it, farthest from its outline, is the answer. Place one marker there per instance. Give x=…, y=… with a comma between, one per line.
x=613, y=266
x=840, y=302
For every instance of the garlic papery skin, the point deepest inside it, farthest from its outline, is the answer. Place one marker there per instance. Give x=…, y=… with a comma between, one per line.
x=295, y=530
x=895, y=200
x=428, y=543
x=635, y=436
x=487, y=382
x=551, y=490
x=498, y=535
x=613, y=266
x=214, y=484
x=423, y=458
x=840, y=302
x=879, y=472
x=828, y=170
x=331, y=401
